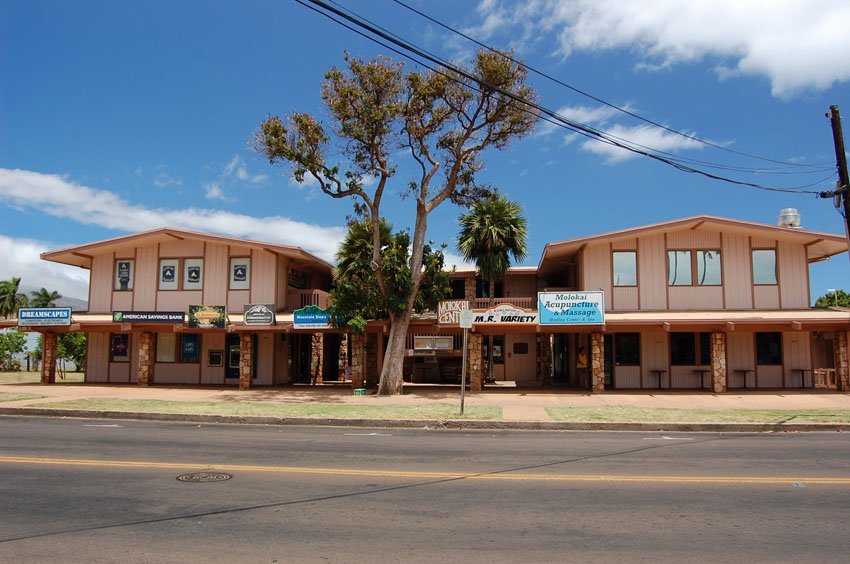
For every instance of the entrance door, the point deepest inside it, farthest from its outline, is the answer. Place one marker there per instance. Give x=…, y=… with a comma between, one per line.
x=300, y=350
x=520, y=354
x=232, y=352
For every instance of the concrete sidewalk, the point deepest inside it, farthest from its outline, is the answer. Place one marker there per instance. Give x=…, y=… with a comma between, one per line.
x=517, y=404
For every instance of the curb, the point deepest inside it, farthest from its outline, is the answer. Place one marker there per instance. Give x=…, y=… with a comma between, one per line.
x=454, y=424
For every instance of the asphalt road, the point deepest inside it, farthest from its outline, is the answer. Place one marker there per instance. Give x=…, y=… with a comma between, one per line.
x=96, y=491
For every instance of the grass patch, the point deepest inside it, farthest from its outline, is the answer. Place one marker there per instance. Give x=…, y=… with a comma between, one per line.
x=15, y=397
x=313, y=410
x=35, y=378
x=630, y=414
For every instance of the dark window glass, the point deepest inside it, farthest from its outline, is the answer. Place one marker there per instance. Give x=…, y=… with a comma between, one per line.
x=190, y=347
x=627, y=349
x=679, y=268
x=458, y=289
x=764, y=266
x=768, y=349
x=625, y=268
x=498, y=349
x=119, y=350
x=482, y=289
x=683, y=349
x=705, y=348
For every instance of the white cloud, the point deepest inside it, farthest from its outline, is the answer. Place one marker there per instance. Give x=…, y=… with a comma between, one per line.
x=213, y=191
x=581, y=114
x=21, y=258
x=57, y=196
x=796, y=45
x=164, y=180
x=236, y=169
x=642, y=135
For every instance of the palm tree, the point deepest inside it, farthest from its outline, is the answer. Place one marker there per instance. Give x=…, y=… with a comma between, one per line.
x=492, y=232
x=43, y=298
x=10, y=298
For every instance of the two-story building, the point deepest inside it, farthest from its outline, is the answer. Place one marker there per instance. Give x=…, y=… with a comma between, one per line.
x=698, y=303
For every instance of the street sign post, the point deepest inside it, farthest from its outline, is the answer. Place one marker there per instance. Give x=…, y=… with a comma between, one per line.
x=466, y=317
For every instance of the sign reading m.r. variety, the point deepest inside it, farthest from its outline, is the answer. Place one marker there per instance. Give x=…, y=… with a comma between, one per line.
x=44, y=316
x=571, y=308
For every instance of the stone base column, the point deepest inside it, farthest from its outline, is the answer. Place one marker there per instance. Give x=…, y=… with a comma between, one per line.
x=317, y=357
x=842, y=365
x=475, y=361
x=597, y=362
x=48, y=358
x=358, y=360
x=343, y=355
x=544, y=359
x=144, y=375
x=719, y=373
x=246, y=361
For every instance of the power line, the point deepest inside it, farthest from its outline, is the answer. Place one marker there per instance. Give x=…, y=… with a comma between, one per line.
x=557, y=119
x=600, y=100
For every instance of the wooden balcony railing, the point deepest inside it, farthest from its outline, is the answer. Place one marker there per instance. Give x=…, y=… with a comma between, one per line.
x=296, y=299
x=525, y=302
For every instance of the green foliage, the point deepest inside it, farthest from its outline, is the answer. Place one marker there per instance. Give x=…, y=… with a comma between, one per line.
x=12, y=342
x=10, y=298
x=72, y=346
x=44, y=298
x=838, y=298
x=491, y=233
x=355, y=294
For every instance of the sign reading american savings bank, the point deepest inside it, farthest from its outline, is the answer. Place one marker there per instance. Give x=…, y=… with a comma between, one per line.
x=571, y=308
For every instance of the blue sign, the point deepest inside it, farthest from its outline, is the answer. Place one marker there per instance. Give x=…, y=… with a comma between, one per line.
x=190, y=352
x=44, y=316
x=571, y=308
x=311, y=317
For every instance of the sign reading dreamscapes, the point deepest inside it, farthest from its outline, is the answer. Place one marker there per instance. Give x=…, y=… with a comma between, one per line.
x=506, y=314
x=571, y=308
x=207, y=317
x=448, y=311
x=44, y=316
x=311, y=317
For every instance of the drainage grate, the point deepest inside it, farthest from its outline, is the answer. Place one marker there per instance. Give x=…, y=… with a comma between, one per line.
x=198, y=477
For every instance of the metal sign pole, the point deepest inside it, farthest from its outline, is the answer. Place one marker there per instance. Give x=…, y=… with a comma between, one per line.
x=463, y=371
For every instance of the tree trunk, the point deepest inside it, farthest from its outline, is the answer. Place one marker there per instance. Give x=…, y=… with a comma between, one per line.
x=392, y=373
x=490, y=377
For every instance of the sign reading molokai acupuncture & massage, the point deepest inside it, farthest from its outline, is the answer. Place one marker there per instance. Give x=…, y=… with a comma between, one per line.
x=207, y=317
x=571, y=308
x=259, y=314
x=148, y=317
x=44, y=317
x=506, y=314
x=311, y=317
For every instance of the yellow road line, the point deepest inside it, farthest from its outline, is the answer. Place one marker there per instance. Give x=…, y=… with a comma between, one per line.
x=380, y=473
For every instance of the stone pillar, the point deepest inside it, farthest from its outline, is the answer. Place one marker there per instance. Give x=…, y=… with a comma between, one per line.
x=597, y=362
x=544, y=359
x=719, y=373
x=144, y=375
x=48, y=358
x=246, y=361
x=475, y=362
x=358, y=360
x=842, y=364
x=317, y=357
x=371, y=376
x=343, y=355
x=469, y=290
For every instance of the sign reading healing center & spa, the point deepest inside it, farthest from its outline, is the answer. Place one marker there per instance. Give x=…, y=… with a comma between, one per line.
x=44, y=316
x=571, y=308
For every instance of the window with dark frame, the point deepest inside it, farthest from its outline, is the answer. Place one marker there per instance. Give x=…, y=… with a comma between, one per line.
x=627, y=349
x=769, y=349
x=624, y=264
x=119, y=347
x=690, y=349
x=699, y=267
x=679, y=268
x=184, y=348
x=764, y=267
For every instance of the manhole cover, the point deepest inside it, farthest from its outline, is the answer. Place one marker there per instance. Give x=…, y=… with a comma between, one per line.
x=204, y=477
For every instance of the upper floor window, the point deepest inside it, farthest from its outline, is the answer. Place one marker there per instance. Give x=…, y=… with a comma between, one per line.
x=764, y=266
x=192, y=274
x=625, y=268
x=689, y=268
x=124, y=272
x=240, y=273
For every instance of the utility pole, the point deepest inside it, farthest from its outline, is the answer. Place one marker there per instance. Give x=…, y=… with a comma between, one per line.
x=841, y=161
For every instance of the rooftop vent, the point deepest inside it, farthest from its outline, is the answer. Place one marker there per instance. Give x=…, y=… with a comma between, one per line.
x=789, y=217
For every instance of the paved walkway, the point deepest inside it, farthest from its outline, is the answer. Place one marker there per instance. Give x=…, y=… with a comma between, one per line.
x=517, y=404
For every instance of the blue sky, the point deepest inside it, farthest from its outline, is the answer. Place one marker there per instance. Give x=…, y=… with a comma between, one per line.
x=119, y=117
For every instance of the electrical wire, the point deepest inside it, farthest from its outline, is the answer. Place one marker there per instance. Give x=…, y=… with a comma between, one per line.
x=544, y=113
